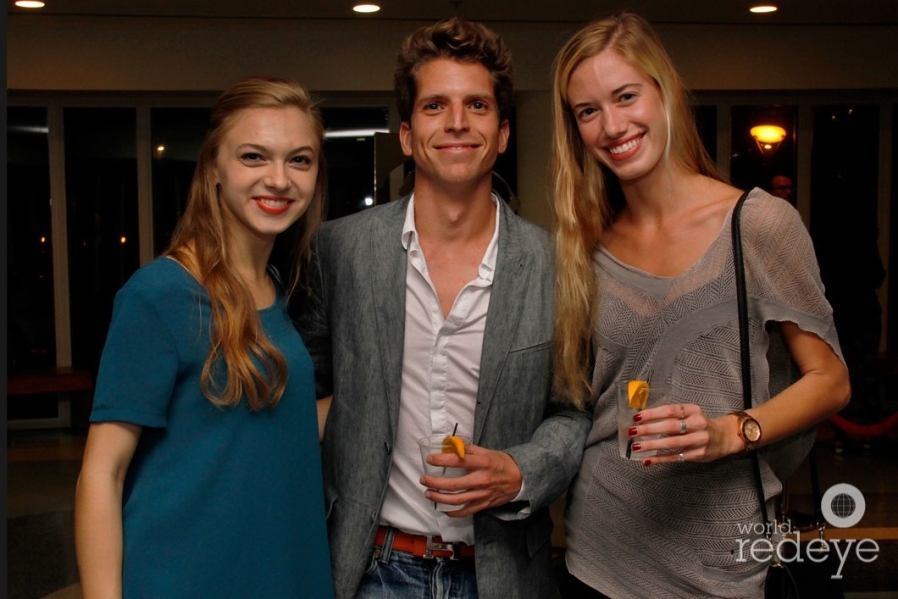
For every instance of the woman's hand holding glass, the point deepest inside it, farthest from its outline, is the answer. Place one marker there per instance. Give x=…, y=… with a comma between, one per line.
x=686, y=434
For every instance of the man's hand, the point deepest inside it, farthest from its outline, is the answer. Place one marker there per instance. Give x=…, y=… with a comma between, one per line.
x=493, y=479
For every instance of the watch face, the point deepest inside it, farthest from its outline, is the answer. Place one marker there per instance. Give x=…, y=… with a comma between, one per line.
x=751, y=430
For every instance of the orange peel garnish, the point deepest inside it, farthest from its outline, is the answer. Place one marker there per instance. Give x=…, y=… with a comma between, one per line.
x=637, y=394
x=453, y=444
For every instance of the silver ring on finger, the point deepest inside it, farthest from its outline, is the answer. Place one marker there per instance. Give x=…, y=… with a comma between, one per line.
x=681, y=458
x=683, y=427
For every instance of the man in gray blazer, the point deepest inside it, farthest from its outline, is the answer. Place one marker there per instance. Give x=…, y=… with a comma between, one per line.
x=432, y=314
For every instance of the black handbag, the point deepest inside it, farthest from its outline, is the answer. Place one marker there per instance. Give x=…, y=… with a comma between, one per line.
x=789, y=578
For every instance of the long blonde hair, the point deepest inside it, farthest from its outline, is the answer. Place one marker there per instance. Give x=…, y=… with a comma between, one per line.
x=255, y=369
x=587, y=196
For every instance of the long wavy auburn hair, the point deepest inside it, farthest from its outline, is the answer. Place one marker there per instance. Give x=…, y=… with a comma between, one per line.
x=587, y=196
x=255, y=369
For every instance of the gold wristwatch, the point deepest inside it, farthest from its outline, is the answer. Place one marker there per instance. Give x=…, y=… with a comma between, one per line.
x=749, y=430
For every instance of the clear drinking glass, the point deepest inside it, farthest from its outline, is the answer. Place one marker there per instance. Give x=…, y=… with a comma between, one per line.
x=434, y=444
x=649, y=397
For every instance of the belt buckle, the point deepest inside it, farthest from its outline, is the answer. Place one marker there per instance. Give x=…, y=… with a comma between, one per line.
x=430, y=546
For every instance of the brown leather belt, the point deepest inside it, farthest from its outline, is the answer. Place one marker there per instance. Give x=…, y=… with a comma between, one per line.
x=427, y=546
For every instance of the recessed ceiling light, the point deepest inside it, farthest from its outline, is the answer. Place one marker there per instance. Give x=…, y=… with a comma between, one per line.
x=763, y=8
x=366, y=8
x=29, y=4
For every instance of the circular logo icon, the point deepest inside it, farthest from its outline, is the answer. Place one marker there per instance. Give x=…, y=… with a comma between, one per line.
x=843, y=505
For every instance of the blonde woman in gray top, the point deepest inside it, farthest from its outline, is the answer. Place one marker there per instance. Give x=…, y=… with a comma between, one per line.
x=646, y=291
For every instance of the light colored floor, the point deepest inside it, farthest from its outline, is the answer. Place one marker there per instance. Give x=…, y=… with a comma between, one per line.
x=42, y=468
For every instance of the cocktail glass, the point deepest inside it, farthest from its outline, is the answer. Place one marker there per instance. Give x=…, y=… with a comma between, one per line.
x=434, y=444
x=628, y=405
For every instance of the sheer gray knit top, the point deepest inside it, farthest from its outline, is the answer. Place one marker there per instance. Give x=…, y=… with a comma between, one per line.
x=673, y=530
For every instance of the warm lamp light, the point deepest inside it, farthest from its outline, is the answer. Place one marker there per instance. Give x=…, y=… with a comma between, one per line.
x=366, y=8
x=768, y=138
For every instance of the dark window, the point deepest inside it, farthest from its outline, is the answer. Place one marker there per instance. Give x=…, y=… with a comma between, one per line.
x=350, y=157
x=31, y=337
x=177, y=134
x=101, y=193
x=706, y=121
x=844, y=226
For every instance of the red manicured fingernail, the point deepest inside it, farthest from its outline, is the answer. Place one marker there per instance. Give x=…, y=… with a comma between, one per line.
x=637, y=418
x=631, y=431
x=636, y=446
x=647, y=463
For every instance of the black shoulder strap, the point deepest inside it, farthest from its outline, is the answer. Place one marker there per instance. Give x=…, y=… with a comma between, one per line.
x=742, y=301
x=742, y=306
x=744, y=348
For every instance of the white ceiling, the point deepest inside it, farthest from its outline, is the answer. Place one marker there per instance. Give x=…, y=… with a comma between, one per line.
x=792, y=12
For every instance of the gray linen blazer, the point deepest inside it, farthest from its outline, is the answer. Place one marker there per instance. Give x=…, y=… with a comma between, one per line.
x=353, y=325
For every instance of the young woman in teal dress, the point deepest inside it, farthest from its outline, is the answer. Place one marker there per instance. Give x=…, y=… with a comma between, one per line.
x=201, y=473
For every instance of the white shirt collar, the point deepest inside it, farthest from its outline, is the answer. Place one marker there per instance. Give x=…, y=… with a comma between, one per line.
x=487, y=264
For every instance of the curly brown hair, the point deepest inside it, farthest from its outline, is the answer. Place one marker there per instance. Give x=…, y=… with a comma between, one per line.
x=457, y=39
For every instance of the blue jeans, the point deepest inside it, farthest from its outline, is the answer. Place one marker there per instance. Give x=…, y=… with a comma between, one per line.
x=400, y=575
